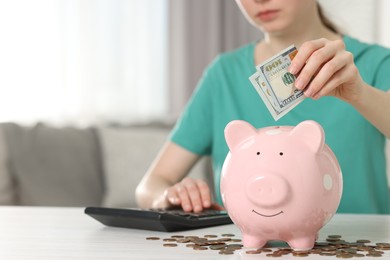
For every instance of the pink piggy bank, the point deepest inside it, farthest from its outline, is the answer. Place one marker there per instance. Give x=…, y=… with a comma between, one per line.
x=280, y=183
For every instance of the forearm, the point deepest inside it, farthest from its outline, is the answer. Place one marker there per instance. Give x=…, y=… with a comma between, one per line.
x=150, y=192
x=171, y=166
x=374, y=105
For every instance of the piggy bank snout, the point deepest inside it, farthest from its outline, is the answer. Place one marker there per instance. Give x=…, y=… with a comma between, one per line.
x=267, y=190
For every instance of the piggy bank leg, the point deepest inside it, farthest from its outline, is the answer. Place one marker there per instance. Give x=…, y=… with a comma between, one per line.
x=302, y=243
x=253, y=241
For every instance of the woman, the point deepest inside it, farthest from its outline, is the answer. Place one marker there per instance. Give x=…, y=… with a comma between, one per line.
x=348, y=95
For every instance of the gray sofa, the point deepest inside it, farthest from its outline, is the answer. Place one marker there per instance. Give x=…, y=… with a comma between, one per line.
x=43, y=165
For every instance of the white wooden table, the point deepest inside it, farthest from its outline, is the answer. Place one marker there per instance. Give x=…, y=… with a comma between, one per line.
x=67, y=233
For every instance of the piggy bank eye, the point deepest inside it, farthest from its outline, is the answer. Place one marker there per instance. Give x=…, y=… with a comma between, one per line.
x=281, y=153
x=258, y=153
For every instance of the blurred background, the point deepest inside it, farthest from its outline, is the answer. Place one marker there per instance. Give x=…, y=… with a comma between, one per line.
x=89, y=89
x=93, y=61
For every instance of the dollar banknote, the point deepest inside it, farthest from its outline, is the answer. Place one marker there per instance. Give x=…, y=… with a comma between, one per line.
x=275, y=84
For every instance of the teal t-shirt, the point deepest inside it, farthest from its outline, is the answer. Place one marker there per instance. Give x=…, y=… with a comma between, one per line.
x=225, y=93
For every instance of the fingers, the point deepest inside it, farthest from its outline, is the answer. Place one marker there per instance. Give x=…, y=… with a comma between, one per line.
x=332, y=87
x=304, y=53
x=326, y=73
x=191, y=191
x=313, y=65
x=316, y=63
x=191, y=195
x=204, y=193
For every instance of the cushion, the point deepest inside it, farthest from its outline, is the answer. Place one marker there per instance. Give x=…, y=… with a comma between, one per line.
x=128, y=153
x=7, y=195
x=54, y=166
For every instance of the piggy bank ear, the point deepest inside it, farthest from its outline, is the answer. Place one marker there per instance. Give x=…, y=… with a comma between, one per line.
x=237, y=132
x=311, y=133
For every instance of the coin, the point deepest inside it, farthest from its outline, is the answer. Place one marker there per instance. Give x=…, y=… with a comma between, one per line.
x=225, y=239
x=200, y=248
x=210, y=236
x=169, y=239
x=228, y=235
x=321, y=243
x=217, y=247
x=300, y=253
x=344, y=256
x=177, y=236
x=332, y=239
x=335, y=246
x=183, y=240
x=191, y=237
x=152, y=238
x=363, y=241
x=253, y=252
x=226, y=252
x=170, y=244
x=383, y=244
x=328, y=253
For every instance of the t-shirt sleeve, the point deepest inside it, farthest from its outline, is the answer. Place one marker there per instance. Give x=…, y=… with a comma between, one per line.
x=382, y=77
x=193, y=130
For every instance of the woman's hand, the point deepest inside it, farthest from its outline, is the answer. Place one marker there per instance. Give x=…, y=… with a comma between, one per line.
x=324, y=68
x=191, y=195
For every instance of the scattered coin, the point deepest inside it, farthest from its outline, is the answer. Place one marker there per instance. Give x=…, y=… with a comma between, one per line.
x=170, y=244
x=210, y=236
x=253, y=252
x=333, y=246
x=363, y=241
x=225, y=239
x=217, y=247
x=228, y=235
x=344, y=255
x=226, y=252
x=177, y=236
x=169, y=239
x=152, y=238
x=327, y=253
x=200, y=248
x=183, y=240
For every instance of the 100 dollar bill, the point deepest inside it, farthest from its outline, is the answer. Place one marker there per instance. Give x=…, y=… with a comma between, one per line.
x=275, y=84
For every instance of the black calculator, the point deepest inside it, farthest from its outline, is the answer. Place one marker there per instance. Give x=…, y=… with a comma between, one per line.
x=166, y=220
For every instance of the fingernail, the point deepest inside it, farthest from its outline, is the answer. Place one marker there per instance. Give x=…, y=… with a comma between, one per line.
x=197, y=208
x=293, y=68
x=307, y=93
x=173, y=200
x=206, y=203
x=316, y=96
x=187, y=207
x=298, y=83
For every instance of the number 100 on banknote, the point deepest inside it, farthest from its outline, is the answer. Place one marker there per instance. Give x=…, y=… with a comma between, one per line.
x=275, y=84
